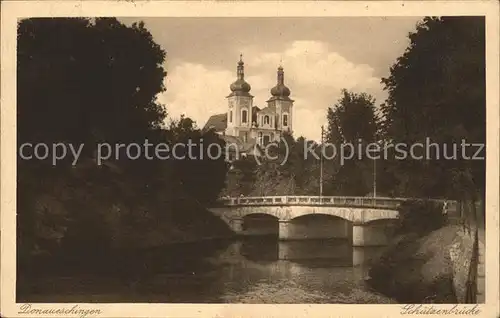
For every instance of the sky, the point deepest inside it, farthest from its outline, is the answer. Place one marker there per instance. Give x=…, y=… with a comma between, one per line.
x=320, y=57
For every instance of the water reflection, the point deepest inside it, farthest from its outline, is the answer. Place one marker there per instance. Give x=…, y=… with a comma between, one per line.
x=331, y=252
x=250, y=270
x=265, y=270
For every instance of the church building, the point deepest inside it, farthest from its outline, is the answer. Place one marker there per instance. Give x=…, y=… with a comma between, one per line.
x=248, y=125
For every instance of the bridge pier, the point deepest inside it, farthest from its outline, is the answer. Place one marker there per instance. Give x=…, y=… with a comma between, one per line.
x=368, y=235
x=284, y=230
x=236, y=225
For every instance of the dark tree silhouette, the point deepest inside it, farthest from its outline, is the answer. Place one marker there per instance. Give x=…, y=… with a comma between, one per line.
x=437, y=91
x=87, y=81
x=92, y=81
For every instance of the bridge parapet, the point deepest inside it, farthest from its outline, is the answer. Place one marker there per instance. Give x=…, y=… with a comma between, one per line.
x=377, y=202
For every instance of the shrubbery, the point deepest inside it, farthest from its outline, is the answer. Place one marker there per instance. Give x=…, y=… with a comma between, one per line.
x=420, y=217
x=403, y=270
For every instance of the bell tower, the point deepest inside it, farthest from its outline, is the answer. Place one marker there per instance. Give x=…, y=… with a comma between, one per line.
x=282, y=104
x=240, y=102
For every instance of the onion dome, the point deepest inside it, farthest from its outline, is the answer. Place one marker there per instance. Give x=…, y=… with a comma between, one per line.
x=280, y=90
x=240, y=86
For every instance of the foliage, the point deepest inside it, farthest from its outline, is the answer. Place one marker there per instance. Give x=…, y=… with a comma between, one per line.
x=241, y=177
x=274, y=174
x=352, y=118
x=420, y=217
x=307, y=167
x=289, y=169
x=106, y=76
x=92, y=81
x=200, y=170
x=437, y=91
x=352, y=121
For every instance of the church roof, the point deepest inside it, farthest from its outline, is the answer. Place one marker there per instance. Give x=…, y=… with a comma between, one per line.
x=243, y=147
x=240, y=87
x=285, y=98
x=266, y=110
x=280, y=91
x=217, y=122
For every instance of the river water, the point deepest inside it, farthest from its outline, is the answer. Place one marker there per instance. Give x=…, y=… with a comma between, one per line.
x=251, y=270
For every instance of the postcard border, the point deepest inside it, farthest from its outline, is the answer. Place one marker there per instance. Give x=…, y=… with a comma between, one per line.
x=11, y=11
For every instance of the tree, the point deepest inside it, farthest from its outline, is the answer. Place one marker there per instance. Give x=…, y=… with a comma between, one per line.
x=352, y=121
x=85, y=81
x=199, y=166
x=241, y=177
x=437, y=91
x=352, y=118
x=306, y=167
x=96, y=81
x=80, y=81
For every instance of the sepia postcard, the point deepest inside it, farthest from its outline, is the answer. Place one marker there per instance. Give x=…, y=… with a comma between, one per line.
x=249, y=159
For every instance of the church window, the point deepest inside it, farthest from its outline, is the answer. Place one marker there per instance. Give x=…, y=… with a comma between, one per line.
x=285, y=120
x=266, y=120
x=244, y=115
x=230, y=116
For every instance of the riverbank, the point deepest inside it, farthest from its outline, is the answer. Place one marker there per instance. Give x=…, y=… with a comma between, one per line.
x=203, y=228
x=423, y=269
x=107, y=232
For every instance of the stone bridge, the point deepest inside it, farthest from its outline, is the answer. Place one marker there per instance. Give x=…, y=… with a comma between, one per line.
x=363, y=220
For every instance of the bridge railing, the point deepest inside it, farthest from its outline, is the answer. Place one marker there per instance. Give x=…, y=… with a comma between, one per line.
x=381, y=202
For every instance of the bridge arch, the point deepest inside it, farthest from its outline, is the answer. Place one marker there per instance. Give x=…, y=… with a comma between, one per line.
x=260, y=224
x=377, y=215
x=260, y=215
x=358, y=216
x=310, y=216
x=362, y=213
x=316, y=226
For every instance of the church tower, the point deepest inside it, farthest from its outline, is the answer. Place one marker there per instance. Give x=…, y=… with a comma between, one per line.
x=240, y=102
x=282, y=104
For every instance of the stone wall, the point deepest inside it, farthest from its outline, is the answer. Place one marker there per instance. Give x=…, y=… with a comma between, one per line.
x=425, y=269
x=461, y=254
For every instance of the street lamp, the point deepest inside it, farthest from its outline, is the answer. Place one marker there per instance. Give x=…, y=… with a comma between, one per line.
x=375, y=170
x=321, y=165
x=374, y=177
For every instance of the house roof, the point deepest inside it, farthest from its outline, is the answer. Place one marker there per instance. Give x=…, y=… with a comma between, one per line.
x=217, y=122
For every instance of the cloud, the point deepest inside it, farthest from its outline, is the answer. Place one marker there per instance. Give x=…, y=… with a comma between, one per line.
x=314, y=72
x=196, y=91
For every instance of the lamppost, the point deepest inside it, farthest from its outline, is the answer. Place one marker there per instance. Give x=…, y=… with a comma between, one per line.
x=375, y=167
x=321, y=165
x=374, y=177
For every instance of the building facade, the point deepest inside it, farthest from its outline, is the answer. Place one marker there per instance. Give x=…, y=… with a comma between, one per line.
x=249, y=124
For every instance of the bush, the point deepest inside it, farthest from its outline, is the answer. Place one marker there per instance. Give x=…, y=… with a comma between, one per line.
x=420, y=217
